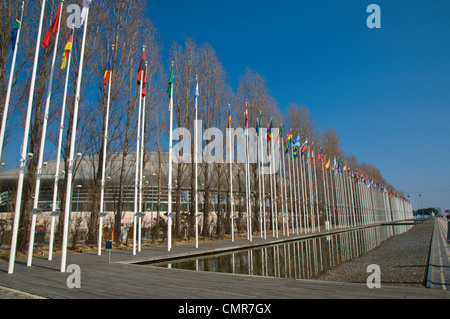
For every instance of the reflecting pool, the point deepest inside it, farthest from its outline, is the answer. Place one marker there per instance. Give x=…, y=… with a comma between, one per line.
x=302, y=259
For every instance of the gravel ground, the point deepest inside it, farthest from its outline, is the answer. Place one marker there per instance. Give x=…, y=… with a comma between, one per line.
x=8, y=293
x=402, y=260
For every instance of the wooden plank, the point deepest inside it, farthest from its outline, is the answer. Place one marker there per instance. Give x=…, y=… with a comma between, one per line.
x=116, y=280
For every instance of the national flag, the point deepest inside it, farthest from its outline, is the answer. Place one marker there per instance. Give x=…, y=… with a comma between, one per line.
x=108, y=69
x=323, y=163
x=304, y=146
x=229, y=116
x=257, y=127
x=67, y=50
x=295, y=152
x=328, y=164
x=53, y=28
x=141, y=69
x=15, y=30
x=312, y=153
x=280, y=135
x=319, y=156
x=297, y=141
x=288, y=139
x=246, y=119
x=197, y=94
x=171, y=81
x=269, y=132
x=145, y=83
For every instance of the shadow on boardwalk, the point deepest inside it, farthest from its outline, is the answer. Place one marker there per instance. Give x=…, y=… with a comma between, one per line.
x=122, y=279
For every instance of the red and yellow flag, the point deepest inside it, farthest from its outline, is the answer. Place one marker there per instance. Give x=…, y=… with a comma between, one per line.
x=66, y=53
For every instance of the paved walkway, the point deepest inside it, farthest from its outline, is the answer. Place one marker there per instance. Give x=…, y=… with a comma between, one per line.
x=122, y=279
x=439, y=264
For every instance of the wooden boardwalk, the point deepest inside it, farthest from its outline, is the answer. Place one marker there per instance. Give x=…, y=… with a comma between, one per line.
x=121, y=279
x=439, y=265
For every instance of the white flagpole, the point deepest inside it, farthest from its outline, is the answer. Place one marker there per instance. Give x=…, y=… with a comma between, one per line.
x=274, y=187
x=346, y=199
x=262, y=184
x=195, y=162
x=271, y=189
x=23, y=157
x=10, y=81
x=299, y=183
x=338, y=198
x=350, y=183
x=141, y=168
x=285, y=191
x=246, y=183
x=169, y=185
x=290, y=187
x=333, y=200
x=72, y=148
x=317, y=194
x=311, y=200
x=304, y=192
x=231, y=180
x=249, y=215
x=296, y=206
x=281, y=183
x=41, y=147
x=325, y=201
x=105, y=144
x=329, y=202
x=138, y=147
x=259, y=161
x=58, y=159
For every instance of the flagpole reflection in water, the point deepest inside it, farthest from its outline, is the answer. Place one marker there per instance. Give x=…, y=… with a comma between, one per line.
x=303, y=259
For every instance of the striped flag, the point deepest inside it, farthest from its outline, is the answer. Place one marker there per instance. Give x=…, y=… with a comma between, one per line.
x=108, y=69
x=16, y=28
x=269, y=132
x=288, y=139
x=319, y=156
x=141, y=69
x=304, y=146
x=67, y=50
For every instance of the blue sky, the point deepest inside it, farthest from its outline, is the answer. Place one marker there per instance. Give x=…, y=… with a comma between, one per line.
x=385, y=91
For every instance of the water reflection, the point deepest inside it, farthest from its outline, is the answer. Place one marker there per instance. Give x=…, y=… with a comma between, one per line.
x=303, y=259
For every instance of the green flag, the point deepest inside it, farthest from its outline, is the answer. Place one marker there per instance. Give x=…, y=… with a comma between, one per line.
x=171, y=80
